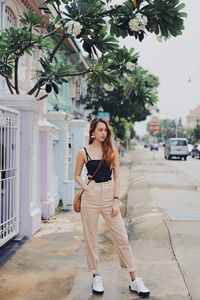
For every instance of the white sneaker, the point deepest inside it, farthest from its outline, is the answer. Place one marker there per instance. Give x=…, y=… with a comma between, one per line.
x=138, y=286
x=97, y=284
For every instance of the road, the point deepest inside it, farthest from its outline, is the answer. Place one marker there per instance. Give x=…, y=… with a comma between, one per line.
x=173, y=186
x=189, y=168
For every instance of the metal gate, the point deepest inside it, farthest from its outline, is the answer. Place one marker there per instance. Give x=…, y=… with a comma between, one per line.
x=9, y=173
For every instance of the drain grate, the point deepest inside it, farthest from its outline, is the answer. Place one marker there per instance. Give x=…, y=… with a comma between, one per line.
x=183, y=215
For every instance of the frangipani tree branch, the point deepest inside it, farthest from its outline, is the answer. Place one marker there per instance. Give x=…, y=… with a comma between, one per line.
x=86, y=20
x=16, y=74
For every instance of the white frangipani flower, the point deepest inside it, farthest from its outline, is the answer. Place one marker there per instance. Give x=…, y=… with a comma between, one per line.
x=161, y=38
x=130, y=66
x=148, y=106
x=128, y=77
x=108, y=87
x=74, y=28
x=142, y=18
x=138, y=23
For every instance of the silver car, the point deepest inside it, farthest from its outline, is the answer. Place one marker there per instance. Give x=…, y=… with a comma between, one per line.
x=176, y=147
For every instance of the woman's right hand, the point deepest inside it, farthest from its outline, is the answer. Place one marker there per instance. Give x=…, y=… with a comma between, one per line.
x=87, y=189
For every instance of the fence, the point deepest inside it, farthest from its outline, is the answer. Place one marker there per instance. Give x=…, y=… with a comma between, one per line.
x=9, y=173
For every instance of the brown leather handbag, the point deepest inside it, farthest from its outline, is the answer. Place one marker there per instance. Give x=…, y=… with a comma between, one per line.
x=78, y=195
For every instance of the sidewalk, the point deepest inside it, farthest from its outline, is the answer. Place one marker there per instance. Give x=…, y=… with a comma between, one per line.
x=52, y=265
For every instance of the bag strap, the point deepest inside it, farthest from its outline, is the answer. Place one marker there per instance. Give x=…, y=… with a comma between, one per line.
x=97, y=169
x=87, y=154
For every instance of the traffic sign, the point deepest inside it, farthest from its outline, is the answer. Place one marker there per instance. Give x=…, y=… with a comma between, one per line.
x=104, y=115
x=154, y=125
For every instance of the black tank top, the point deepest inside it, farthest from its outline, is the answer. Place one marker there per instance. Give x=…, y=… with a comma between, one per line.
x=104, y=173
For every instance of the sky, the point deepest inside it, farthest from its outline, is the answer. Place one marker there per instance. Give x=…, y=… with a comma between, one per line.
x=175, y=62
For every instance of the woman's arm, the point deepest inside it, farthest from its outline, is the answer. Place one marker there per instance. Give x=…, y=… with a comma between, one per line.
x=116, y=178
x=80, y=161
x=116, y=174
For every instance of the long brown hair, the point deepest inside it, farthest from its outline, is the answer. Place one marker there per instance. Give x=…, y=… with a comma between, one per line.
x=108, y=151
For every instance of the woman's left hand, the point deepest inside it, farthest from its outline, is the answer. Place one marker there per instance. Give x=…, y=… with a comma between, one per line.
x=115, y=209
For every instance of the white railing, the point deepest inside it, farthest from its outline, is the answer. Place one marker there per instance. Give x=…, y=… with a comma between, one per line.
x=9, y=173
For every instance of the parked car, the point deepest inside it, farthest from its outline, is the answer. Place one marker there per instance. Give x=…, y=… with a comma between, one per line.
x=196, y=151
x=176, y=147
x=154, y=147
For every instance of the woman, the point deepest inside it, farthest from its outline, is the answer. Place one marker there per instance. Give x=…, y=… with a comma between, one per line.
x=101, y=196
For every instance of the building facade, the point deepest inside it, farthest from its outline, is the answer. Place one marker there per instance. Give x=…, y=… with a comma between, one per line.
x=193, y=118
x=48, y=133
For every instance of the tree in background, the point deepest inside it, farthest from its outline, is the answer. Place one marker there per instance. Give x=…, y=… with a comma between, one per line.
x=97, y=25
x=146, y=138
x=132, y=131
x=196, y=134
x=179, y=128
x=192, y=134
x=127, y=102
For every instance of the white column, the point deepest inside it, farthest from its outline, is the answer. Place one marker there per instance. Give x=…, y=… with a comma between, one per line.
x=29, y=206
x=66, y=186
x=79, y=132
x=48, y=181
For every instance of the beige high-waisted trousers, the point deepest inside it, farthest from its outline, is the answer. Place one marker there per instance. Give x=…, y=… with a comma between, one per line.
x=99, y=201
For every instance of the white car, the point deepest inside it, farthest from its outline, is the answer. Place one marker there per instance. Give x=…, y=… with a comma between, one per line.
x=176, y=147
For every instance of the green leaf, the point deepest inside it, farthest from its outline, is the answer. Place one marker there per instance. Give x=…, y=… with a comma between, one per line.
x=3, y=43
x=183, y=15
x=180, y=6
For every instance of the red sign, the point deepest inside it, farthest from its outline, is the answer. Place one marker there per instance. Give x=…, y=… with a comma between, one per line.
x=154, y=125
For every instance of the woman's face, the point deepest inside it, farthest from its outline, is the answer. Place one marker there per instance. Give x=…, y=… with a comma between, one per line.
x=100, y=132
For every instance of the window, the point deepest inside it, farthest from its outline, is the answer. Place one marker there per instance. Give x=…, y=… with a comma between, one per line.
x=10, y=19
x=179, y=143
